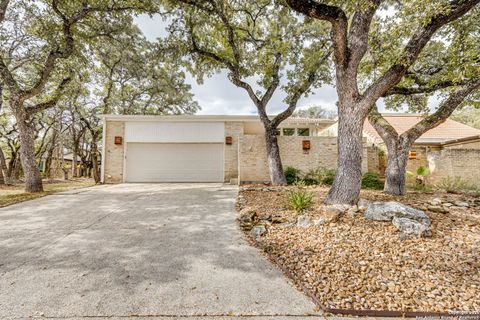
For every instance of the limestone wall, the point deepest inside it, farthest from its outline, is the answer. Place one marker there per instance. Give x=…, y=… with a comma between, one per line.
x=234, y=130
x=114, y=154
x=464, y=163
x=252, y=157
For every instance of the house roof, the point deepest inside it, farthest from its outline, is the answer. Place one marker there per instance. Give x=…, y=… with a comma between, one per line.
x=446, y=131
x=220, y=118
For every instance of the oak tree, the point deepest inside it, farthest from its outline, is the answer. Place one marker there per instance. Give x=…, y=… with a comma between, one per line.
x=264, y=48
x=404, y=35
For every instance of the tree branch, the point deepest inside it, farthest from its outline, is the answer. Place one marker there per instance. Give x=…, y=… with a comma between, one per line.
x=52, y=102
x=336, y=16
x=424, y=89
x=444, y=111
x=3, y=9
x=300, y=90
x=413, y=48
x=358, y=35
x=381, y=125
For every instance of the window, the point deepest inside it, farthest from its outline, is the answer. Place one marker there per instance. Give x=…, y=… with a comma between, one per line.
x=303, y=132
x=288, y=131
x=412, y=155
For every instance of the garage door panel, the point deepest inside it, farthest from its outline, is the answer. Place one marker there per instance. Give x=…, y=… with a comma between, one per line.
x=174, y=162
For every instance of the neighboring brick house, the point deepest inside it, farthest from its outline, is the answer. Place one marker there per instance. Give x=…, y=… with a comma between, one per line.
x=208, y=148
x=450, y=149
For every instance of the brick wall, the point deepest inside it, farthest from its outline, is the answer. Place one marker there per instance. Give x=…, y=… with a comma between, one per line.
x=464, y=163
x=234, y=130
x=252, y=158
x=114, y=153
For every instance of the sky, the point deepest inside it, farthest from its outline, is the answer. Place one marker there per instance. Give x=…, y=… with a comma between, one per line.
x=217, y=95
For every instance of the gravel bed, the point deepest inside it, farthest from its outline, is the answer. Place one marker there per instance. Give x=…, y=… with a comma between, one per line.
x=356, y=263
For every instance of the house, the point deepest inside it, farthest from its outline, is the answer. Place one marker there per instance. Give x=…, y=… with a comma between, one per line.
x=201, y=148
x=450, y=149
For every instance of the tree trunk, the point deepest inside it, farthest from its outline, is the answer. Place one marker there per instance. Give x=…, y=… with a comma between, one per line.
x=74, y=161
x=33, y=180
x=347, y=183
x=396, y=166
x=275, y=168
x=4, y=178
x=95, y=168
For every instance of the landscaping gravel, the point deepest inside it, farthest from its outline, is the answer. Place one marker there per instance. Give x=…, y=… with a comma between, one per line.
x=363, y=264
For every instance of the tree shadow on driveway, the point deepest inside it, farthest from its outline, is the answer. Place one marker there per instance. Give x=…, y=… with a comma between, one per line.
x=141, y=249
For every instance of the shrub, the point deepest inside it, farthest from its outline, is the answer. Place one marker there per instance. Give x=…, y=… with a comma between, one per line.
x=320, y=176
x=292, y=175
x=371, y=180
x=457, y=185
x=420, y=178
x=299, y=199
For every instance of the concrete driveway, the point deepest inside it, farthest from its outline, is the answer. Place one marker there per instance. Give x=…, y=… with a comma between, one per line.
x=163, y=251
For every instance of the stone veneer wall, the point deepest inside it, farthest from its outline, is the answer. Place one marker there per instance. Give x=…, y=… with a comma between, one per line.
x=464, y=163
x=253, y=159
x=234, y=130
x=114, y=157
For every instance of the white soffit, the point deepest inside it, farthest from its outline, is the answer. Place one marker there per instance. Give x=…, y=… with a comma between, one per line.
x=196, y=132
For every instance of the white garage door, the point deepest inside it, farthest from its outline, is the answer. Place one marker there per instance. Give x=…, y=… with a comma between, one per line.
x=174, y=162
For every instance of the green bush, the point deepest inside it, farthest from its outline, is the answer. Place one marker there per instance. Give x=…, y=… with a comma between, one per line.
x=458, y=185
x=292, y=175
x=319, y=176
x=371, y=180
x=299, y=199
x=420, y=183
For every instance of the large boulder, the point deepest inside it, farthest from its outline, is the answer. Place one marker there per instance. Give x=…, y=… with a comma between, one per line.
x=363, y=204
x=411, y=227
x=386, y=211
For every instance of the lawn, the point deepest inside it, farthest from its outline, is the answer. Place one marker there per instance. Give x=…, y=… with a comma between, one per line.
x=12, y=194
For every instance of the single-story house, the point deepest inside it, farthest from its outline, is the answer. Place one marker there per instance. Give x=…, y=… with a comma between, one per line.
x=450, y=149
x=219, y=148
x=207, y=148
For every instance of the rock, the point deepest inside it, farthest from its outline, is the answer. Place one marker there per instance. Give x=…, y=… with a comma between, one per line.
x=341, y=208
x=439, y=209
x=264, y=216
x=411, y=227
x=462, y=204
x=447, y=204
x=319, y=222
x=363, y=204
x=332, y=216
x=258, y=231
x=303, y=221
x=247, y=215
x=458, y=208
x=435, y=201
x=278, y=219
x=286, y=224
x=247, y=218
x=386, y=211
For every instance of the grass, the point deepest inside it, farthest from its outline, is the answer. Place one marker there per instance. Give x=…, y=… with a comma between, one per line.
x=12, y=194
